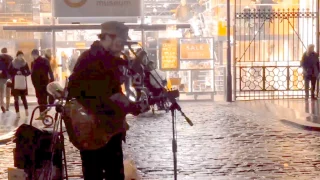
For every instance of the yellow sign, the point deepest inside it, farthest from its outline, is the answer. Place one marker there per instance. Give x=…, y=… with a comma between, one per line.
x=81, y=45
x=169, y=54
x=195, y=51
x=222, y=28
x=72, y=4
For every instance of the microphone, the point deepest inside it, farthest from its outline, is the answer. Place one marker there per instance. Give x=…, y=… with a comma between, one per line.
x=130, y=43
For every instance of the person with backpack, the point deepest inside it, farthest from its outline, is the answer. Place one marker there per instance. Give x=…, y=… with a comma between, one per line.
x=5, y=61
x=310, y=65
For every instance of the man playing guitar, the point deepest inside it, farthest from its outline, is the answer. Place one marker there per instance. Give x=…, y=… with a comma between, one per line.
x=95, y=80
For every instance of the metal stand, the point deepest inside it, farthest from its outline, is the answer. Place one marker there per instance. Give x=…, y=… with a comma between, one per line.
x=173, y=108
x=174, y=141
x=229, y=74
x=58, y=128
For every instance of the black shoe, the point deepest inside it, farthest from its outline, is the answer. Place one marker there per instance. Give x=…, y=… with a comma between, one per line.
x=3, y=109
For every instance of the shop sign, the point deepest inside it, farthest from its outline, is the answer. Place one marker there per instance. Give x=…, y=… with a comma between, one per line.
x=195, y=51
x=96, y=8
x=169, y=55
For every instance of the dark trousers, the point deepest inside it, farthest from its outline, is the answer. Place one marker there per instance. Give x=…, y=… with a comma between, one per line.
x=42, y=97
x=307, y=81
x=51, y=99
x=24, y=101
x=104, y=163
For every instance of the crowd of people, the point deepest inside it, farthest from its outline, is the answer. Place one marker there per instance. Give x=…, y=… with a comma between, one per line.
x=13, y=79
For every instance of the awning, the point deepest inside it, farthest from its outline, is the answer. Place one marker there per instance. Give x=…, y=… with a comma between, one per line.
x=50, y=28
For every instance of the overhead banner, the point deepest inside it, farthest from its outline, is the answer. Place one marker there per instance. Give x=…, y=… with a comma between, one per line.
x=96, y=8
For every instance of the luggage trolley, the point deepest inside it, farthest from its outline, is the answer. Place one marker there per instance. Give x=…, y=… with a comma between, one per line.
x=44, y=156
x=57, y=144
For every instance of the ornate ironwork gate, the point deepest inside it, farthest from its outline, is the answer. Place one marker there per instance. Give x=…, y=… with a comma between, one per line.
x=269, y=46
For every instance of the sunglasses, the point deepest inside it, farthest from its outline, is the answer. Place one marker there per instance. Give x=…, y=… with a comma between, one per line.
x=102, y=36
x=112, y=36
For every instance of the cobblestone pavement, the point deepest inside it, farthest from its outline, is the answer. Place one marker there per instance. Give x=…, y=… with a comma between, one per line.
x=226, y=142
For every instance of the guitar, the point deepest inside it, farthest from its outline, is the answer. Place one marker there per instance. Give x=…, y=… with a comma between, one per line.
x=88, y=131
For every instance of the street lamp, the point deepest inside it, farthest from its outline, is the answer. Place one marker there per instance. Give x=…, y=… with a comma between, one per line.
x=229, y=75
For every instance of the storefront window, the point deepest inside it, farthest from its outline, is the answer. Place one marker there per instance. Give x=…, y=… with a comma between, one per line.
x=196, y=64
x=202, y=81
x=180, y=80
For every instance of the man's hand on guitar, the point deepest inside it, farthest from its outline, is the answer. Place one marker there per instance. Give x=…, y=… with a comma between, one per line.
x=135, y=109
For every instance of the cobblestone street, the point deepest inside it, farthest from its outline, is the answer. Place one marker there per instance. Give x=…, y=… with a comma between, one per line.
x=226, y=142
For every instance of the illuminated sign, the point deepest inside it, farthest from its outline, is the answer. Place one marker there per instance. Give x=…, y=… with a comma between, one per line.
x=75, y=3
x=97, y=8
x=194, y=51
x=169, y=55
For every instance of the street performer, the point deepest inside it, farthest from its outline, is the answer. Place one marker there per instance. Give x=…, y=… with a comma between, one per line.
x=97, y=77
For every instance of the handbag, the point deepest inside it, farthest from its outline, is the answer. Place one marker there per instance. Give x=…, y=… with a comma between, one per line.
x=20, y=82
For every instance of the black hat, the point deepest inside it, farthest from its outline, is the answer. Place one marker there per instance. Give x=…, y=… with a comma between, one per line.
x=117, y=28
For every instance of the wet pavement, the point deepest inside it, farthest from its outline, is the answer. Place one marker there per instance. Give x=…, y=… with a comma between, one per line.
x=227, y=141
x=9, y=120
x=297, y=112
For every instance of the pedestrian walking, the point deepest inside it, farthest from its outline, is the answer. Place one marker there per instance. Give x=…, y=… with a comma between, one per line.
x=53, y=65
x=53, y=62
x=95, y=78
x=5, y=61
x=41, y=76
x=73, y=60
x=19, y=70
x=310, y=65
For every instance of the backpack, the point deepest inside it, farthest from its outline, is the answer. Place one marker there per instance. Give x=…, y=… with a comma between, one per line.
x=3, y=68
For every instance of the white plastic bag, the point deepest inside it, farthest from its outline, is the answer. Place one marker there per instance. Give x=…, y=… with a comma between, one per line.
x=20, y=82
x=55, y=89
x=130, y=170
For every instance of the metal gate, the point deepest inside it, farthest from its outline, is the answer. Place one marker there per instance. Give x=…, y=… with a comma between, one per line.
x=268, y=47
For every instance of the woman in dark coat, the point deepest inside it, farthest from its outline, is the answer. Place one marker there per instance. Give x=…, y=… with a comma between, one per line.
x=19, y=67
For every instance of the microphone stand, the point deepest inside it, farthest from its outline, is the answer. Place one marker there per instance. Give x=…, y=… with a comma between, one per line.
x=174, y=108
